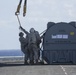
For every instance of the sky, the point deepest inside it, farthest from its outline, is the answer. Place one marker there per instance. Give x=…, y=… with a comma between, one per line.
x=39, y=13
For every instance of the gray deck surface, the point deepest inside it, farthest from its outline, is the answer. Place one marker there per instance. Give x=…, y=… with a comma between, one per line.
x=38, y=70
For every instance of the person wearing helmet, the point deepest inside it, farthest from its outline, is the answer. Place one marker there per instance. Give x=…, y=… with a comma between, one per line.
x=24, y=49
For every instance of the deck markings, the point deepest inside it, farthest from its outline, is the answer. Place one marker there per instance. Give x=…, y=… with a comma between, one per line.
x=64, y=70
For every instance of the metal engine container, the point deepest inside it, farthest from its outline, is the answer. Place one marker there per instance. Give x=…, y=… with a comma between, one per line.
x=59, y=43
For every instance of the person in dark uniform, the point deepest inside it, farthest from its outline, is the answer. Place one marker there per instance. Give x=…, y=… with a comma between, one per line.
x=24, y=48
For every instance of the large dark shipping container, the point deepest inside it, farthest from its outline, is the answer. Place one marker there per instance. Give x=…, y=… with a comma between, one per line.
x=59, y=43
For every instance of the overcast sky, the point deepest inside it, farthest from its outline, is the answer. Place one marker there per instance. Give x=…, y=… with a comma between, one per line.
x=39, y=13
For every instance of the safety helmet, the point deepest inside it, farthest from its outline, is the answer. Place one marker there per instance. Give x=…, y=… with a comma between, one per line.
x=21, y=34
x=32, y=30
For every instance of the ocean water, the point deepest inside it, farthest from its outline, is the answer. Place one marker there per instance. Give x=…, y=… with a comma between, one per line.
x=11, y=53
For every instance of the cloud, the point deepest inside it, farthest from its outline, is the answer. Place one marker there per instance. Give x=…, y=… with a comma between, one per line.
x=39, y=13
x=70, y=9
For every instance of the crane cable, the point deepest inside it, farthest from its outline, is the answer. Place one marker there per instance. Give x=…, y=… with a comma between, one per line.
x=43, y=32
x=18, y=20
x=18, y=12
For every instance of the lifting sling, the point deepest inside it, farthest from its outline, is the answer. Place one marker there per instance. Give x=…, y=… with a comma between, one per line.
x=19, y=6
x=24, y=8
x=18, y=10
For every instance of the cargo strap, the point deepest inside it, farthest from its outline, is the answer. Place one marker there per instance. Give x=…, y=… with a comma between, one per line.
x=19, y=6
x=24, y=8
x=18, y=10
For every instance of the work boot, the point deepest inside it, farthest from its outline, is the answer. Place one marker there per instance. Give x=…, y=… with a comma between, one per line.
x=36, y=62
x=25, y=62
x=31, y=62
